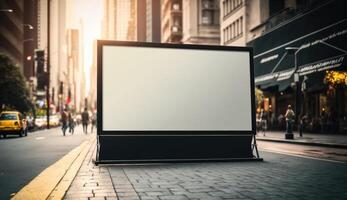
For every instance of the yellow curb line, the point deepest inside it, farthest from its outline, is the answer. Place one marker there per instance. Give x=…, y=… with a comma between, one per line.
x=56, y=178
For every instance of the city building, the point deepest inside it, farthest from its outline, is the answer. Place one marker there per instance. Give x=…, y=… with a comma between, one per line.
x=299, y=57
x=119, y=20
x=109, y=20
x=233, y=18
x=30, y=39
x=75, y=70
x=171, y=24
x=18, y=36
x=132, y=20
x=12, y=30
x=201, y=22
x=153, y=21
x=93, y=84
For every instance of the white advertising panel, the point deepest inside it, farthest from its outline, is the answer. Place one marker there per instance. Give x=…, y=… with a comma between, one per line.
x=148, y=88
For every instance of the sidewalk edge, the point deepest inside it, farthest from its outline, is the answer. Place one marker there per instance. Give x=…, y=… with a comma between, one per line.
x=44, y=184
x=63, y=185
x=341, y=146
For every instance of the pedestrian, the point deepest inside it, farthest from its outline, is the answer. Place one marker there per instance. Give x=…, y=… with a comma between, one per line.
x=323, y=121
x=64, y=121
x=303, y=120
x=289, y=119
x=263, y=121
x=94, y=121
x=71, y=123
x=85, y=120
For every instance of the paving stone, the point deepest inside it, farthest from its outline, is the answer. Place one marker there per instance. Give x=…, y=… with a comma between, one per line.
x=278, y=177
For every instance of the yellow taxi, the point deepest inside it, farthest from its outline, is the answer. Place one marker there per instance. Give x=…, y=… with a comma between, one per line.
x=12, y=122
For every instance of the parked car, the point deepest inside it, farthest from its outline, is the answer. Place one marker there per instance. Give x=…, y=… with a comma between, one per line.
x=13, y=122
x=41, y=122
x=54, y=120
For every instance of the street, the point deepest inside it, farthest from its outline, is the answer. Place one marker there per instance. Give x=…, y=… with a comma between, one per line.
x=24, y=158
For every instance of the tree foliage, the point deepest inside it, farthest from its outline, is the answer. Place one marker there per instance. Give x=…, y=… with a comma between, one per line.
x=13, y=92
x=336, y=78
x=259, y=97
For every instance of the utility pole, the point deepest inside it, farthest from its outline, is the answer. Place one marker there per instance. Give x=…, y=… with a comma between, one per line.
x=48, y=60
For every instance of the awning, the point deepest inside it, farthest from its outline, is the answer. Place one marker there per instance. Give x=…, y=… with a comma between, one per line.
x=321, y=38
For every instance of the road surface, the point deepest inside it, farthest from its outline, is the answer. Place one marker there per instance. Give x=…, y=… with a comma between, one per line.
x=23, y=158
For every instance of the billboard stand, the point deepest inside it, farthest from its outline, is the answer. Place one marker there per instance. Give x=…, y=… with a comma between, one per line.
x=174, y=103
x=255, y=147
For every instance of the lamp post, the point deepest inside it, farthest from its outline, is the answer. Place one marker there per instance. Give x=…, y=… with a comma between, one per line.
x=48, y=60
x=6, y=10
x=295, y=51
x=29, y=26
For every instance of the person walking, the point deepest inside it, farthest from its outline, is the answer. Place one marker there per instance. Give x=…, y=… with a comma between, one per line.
x=93, y=121
x=71, y=123
x=289, y=120
x=85, y=120
x=64, y=121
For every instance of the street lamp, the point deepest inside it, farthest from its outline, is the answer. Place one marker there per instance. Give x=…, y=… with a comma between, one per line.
x=295, y=51
x=6, y=10
x=29, y=26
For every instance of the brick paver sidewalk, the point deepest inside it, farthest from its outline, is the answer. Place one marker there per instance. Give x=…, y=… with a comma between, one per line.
x=92, y=182
x=278, y=177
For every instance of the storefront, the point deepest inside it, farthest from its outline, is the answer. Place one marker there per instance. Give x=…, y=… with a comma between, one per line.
x=302, y=62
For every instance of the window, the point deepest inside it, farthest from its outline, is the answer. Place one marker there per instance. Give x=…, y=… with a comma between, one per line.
x=230, y=6
x=209, y=13
x=176, y=6
x=233, y=31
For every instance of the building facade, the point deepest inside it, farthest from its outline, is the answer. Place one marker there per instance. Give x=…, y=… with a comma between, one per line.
x=171, y=24
x=153, y=21
x=12, y=30
x=233, y=18
x=119, y=20
x=201, y=22
x=299, y=57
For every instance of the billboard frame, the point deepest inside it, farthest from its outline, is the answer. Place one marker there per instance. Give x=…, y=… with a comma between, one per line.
x=163, y=135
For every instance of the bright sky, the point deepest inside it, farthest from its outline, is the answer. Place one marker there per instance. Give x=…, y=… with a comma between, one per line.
x=90, y=14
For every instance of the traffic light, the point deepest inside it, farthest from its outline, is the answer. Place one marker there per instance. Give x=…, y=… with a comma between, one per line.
x=42, y=76
x=61, y=88
x=40, y=61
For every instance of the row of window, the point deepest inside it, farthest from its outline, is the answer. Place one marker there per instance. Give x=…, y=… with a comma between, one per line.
x=231, y=5
x=233, y=31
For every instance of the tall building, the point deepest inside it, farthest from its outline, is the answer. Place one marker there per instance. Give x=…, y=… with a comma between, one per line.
x=119, y=20
x=201, y=22
x=18, y=36
x=171, y=24
x=299, y=57
x=75, y=72
x=58, y=48
x=93, y=86
x=153, y=21
x=58, y=45
x=233, y=18
x=109, y=20
x=12, y=30
x=30, y=38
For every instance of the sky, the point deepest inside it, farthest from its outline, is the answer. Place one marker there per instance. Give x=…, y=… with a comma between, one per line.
x=90, y=13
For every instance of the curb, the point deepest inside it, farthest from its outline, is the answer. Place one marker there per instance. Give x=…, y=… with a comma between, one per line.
x=53, y=182
x=332, y=145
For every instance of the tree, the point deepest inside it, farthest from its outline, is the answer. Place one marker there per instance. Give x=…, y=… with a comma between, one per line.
x=13, y=92
x=259, y=97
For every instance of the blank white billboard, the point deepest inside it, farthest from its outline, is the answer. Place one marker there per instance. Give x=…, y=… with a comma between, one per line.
x=149, y=88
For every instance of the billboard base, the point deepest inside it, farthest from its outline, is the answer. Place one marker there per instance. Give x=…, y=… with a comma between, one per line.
x=120, y=149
